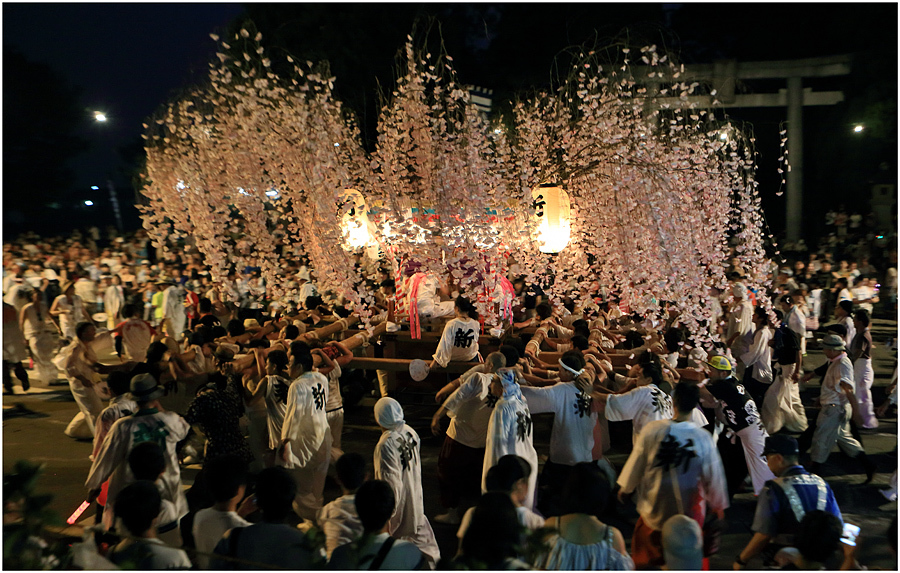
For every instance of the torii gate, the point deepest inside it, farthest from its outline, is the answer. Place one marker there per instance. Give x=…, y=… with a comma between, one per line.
x=721, y=76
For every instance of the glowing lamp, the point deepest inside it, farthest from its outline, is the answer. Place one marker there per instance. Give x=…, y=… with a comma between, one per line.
x=354, y=221
x=551, y=213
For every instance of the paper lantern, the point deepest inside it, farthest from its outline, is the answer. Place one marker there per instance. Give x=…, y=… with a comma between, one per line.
x=551, y=212
x=355, y=221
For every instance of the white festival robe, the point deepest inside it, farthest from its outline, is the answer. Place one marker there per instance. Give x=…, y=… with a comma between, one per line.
x=111, y=462
x=511, y=432
x=309, y=450
x=397, y=461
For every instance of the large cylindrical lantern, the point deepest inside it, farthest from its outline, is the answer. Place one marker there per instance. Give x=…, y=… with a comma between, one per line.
x=354, y=221
x=551, y=212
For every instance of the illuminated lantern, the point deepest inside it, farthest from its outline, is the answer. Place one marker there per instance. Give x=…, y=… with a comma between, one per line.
x=354, y=221
x=551, y=212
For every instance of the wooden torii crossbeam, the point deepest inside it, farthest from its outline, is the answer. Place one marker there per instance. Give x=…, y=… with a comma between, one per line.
x=722, y=76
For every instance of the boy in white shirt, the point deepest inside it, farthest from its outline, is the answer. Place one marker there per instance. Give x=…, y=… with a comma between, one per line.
x=338, y=519
x=138, y=505
x=226, y=478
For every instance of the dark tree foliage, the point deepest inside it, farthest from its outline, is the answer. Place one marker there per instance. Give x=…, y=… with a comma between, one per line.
x=40, y=118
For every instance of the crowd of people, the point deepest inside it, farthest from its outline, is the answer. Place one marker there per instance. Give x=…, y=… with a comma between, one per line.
x=255, y=397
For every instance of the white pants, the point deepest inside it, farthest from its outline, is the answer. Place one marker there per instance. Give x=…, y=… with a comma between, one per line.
x=782, y=407
x=754, y=441
x=336, y=424
x=384, y=382
x=864, y=376
x=89, y=406
x=311, y=483
x=429, y=309
x=43, y=347
x=833, y=426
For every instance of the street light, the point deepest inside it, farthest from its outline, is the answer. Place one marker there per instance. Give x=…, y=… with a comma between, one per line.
x=94, y=188
x=89, y=203
x=99, y=116
x=858, y=128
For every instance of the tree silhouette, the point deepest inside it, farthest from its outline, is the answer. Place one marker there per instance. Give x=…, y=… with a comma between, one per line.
x=41, y=115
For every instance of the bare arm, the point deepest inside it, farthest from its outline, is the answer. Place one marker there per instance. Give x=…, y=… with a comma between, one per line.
x=345, y=357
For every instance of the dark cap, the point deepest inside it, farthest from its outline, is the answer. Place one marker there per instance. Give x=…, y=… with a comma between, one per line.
x=779, y=444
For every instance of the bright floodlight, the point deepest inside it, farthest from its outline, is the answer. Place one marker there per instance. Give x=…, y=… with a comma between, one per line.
x=858, y=129
x=99, y=116
x=95, y=188
x=89, y=203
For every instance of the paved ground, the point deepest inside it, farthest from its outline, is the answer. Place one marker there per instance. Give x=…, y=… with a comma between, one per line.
x=33, y=429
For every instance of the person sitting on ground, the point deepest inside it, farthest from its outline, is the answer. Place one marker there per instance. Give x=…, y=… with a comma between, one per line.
x=138, y=505
x=376, y=549
x=226, y=478
x=271, y=543
x=338, y=519
x=580, y=540
x=682, y=541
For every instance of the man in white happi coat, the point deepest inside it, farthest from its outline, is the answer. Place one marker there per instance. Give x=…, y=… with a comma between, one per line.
x=79, y=361
x=740, y=323
x=42, y=336
x=136, y=333
x=642, y=405
x=833, y=423
x=782, y=407
x=174, y=311
x=572, y=436
x=306, y=439
x=510, y=430
x=70, y=310
x=674, y=469
x=397, y=461
x=149, y=423
x=462, y=455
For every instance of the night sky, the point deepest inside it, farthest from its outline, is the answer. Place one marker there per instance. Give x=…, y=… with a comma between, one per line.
x=127, y=59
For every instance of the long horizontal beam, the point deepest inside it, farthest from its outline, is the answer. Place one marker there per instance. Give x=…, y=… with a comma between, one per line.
x=751, y=100
x=828, y=66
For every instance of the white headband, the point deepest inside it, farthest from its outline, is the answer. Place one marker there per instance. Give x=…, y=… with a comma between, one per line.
x=575, y=373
